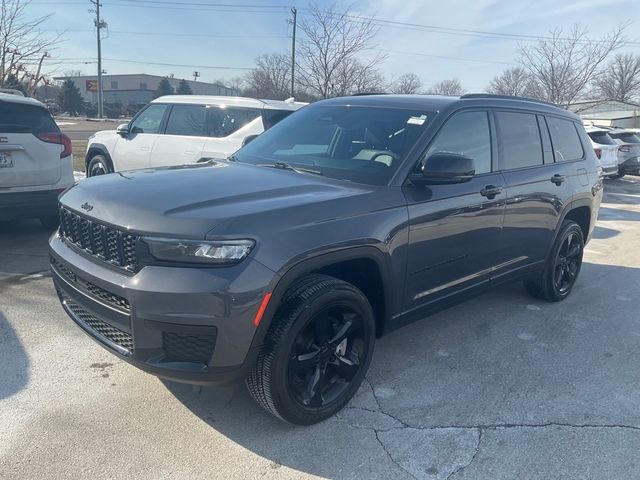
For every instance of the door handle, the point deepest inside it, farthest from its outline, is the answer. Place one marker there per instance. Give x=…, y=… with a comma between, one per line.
x=558, y=179
x=490, y=191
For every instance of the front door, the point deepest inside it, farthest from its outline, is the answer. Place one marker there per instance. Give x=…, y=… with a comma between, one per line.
x=133, y=150
x=455, y=229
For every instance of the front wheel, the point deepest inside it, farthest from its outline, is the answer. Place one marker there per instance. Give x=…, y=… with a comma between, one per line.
x=561, y=270
x=317, y=351
x=98, y=165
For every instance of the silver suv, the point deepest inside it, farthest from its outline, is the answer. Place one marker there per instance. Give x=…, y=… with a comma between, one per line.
x=36, y=164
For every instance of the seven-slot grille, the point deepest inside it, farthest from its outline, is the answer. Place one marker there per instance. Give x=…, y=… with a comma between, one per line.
x=106, y=243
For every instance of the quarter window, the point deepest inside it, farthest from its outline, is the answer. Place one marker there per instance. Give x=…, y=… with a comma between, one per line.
x=466, y=134
x=150, y=120
x=564, y=136
x=187, y=120
x=222, y=122
x=521, y=144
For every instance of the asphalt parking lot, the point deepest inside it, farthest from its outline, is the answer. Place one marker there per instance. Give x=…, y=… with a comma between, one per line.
x=501, y=387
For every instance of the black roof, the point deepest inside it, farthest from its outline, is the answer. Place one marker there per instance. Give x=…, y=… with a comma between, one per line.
x=439, y=102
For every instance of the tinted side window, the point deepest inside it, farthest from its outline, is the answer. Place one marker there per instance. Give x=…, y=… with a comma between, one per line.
x=520, y=136
x=222, y=122
x=150, y=120
x=187, y=120
x=564, y=136
x=271, y=117
x=466, y=134
x=20, y=118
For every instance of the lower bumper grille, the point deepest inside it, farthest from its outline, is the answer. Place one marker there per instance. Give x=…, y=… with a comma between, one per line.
x=188, y=348
x=100, y=328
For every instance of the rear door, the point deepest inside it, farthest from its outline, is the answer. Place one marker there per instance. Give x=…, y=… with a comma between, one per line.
x=133, y=150
x=25, y=160
x=227, y=128
x=537, y=187
x=183, y=138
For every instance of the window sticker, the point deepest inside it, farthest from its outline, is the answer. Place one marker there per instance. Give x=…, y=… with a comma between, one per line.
x=417, y=120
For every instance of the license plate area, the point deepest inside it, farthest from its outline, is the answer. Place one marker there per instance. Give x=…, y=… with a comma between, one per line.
x=6, y=161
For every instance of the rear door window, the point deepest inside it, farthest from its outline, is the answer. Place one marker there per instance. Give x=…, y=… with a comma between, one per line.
x=565, y=139
x=187, y=120
x=22, y=118
x=520, y=139
x=222, y=122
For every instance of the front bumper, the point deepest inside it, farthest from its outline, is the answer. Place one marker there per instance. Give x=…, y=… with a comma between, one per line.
x=29, y=204
x=191, y=325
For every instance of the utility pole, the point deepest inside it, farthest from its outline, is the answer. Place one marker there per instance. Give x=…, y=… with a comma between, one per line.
x=100, y=24
x=294, y=12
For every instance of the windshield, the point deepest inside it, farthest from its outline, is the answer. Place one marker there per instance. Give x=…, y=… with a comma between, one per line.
x=627, y=137
x=602, y=138
x=359, y=144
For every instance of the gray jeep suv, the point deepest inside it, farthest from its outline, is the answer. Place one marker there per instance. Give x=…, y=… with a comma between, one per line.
x=350, y=218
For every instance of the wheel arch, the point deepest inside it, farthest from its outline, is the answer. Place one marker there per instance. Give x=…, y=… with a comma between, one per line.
x=579, y=211
x=364, y=267
x=97, y=149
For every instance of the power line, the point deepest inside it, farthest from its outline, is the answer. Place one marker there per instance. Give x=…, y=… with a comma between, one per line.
x=146, y=62
x=445, y=57
x=174, y=34
x=204, y=4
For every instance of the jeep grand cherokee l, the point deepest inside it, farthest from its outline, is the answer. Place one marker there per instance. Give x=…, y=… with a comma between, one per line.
x=348, y=219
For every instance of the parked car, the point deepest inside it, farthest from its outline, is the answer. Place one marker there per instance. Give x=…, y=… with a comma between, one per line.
x=606, y=150
x=350, y=218
x=183, y=129
x=35, y=161
x=628, y=151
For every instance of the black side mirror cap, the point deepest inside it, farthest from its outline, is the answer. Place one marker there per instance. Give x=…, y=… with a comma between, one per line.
x=446, y=167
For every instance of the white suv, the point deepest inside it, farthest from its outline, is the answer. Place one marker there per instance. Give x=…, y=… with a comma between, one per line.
x=182, y=129
x=35, y=161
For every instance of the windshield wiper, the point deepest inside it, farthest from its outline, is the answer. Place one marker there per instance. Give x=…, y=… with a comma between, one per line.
x=286, y=166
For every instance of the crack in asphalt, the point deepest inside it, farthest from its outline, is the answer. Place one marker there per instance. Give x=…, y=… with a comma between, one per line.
x=473, y=457
x=480, y=428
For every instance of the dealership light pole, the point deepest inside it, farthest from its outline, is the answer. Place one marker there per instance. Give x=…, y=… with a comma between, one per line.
x=100, y=24
x=294, y=12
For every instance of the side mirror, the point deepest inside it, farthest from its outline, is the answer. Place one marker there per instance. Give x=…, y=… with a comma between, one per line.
x=248, y=139
x=446, y=167
x=123, y=129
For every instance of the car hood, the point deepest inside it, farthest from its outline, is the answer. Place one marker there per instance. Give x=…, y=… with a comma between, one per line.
x=190, y=200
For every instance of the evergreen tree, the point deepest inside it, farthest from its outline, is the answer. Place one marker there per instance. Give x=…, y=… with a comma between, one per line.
x=164, y=88
x=12, y=82
x=184, y=88
x=69, y=98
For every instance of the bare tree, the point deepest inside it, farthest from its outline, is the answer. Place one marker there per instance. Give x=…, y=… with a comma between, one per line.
x=564, y=66
x=356, y=76
x=408, y=83
x=271, y=78
x=330, y=44
x=517, y=82
x=620, y=80
x=447, y=87
x=23, y=46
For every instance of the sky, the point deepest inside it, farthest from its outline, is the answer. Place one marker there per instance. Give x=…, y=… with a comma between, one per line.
x=191, y=36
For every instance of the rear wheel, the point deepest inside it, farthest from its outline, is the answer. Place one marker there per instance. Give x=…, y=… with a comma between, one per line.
x=317, y=351
x=561, y=270
x=50, y=222
x=98, y=165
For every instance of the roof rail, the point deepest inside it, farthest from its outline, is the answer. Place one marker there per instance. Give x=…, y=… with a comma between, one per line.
x=363, y=94
x=506, y=97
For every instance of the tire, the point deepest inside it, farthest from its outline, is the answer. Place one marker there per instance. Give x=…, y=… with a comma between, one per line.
x=98, y=165
x=564, y=263
x=50, y=222
x=289, y=379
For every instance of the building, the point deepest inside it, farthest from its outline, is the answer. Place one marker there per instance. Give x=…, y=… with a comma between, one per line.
x=608, y=113
x=136, y=88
